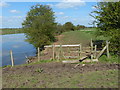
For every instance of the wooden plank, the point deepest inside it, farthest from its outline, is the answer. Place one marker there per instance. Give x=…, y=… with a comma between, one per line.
x=101, y=52
x=75, y=61
x=77, y=45
x=71, y=61
x=12, y=59
x=71, y=56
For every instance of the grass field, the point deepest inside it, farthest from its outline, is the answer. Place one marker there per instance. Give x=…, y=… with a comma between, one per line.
x=80, y=36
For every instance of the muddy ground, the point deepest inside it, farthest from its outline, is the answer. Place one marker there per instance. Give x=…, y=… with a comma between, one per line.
x=58, y=75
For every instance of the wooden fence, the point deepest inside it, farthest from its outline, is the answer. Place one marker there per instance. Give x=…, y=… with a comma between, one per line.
x=59, y=53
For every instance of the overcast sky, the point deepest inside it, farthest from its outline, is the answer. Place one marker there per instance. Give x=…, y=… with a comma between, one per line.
x=13, y=13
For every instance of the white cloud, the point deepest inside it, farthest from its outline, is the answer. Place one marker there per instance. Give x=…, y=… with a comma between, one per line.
x=59, y=13
x=70, y=4
x=14, y=11
x=12, y=21
x=3, y=4
x=85, y=20
x=16, y=46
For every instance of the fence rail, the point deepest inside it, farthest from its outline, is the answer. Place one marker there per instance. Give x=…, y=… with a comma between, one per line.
x=77, y=45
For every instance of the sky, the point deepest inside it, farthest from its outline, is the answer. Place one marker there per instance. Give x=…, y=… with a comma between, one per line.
x=13, y=14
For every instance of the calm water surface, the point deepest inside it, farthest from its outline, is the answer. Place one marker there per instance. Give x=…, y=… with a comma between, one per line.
x=20, y=48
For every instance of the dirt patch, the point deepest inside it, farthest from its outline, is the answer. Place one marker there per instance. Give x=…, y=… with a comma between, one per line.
x=56, y=66
x=58, y=39
x=45, y=74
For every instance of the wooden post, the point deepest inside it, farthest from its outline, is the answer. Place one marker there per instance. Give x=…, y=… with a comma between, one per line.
x=53, y=51
x=91, y=49
x=107, y=44
x=79, y=50
x=95, y=51
x=91, y=45
x=60, y=51
x=12, y=59
x=38, y=53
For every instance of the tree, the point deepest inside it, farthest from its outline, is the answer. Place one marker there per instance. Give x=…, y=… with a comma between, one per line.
x=68, y=26
x=78, y=27
x=59, y=29
x=39, y=25
x=107, y=15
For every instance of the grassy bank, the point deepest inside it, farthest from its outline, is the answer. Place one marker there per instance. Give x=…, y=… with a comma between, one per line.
x=10, y=31
x=80, y=36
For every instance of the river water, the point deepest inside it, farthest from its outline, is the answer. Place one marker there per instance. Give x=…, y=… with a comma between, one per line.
x=20, y=48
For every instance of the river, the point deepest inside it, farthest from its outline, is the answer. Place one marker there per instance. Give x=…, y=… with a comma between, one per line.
x=20, y=48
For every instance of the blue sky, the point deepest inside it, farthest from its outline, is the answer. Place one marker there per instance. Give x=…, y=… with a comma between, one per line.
x=13, y=13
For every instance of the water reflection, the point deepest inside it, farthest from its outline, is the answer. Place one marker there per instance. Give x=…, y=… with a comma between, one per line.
x=20, y=48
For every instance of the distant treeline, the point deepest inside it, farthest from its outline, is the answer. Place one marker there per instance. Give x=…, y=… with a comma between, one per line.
x=10, y=28
x=68, y=26
x=4, y=31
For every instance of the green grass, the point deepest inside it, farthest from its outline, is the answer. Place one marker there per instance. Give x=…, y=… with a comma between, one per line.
x=4, y=32
x=80, y=36
x=112, y=59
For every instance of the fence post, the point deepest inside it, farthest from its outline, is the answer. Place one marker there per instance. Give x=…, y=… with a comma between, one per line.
x=60, y=51
x=91, y=49
x=79, y=50
x=95, y=51
x=12, y=59
x=107, y=44
x=38, y=53
x=91, y=45
x=53, y=51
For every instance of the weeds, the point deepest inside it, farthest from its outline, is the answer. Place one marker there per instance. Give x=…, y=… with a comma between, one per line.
x=39, y=70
